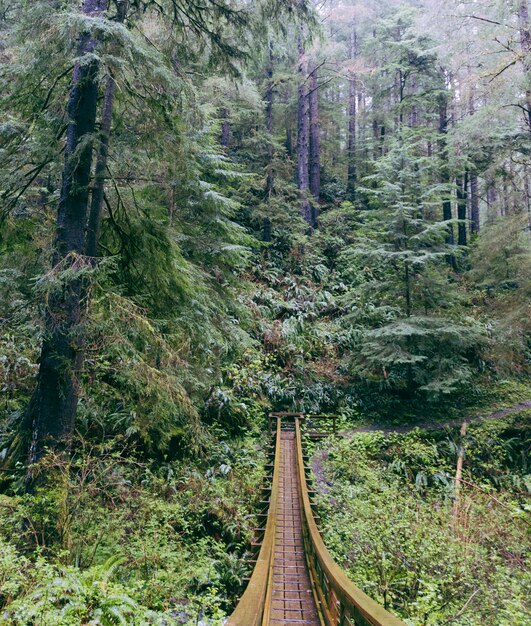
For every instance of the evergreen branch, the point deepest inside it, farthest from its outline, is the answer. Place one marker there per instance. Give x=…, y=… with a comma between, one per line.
x=54, y=84
x=503, y=70
x=485, y=19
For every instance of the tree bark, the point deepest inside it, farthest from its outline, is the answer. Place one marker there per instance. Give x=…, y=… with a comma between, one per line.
x=462, y=185
x=445, y=176
x=96, y=205
x=525, y=42
x=352, y=113
x=269, y=120
x=303, y=136
x=315, y=141
x=53, y=406
x=474, y=204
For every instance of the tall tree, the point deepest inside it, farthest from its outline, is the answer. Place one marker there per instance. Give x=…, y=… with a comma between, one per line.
x=462, y=193
x=525, y=42
x=98, y=190
x=52, y=409
x=352, y=113
x=303, y=131
x=269, y=101
x=315, y=139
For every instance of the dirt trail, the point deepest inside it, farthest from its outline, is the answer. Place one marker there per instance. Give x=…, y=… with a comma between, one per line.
x=323, y=485
x=430, y=425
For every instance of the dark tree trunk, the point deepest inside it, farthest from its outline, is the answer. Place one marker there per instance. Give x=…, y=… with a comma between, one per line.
x=96, y=205
x=445, y=176
x=336, y=130
x=474, y=204
x=53, y=406
x=98, y=190
x=315, y=141
x=414, y=112
x=462, y=185
x=225, y=129
x=527, y=190
x=525, y=39
x=303, y=130
x=352, y=112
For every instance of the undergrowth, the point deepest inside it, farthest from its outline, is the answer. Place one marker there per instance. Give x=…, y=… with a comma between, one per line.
x=107, y=539
x=390, y=518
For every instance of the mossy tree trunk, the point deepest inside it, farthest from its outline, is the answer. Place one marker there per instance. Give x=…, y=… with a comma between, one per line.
x=52, y=409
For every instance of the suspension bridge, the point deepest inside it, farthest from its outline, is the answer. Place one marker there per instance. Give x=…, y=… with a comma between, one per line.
x=295, y=579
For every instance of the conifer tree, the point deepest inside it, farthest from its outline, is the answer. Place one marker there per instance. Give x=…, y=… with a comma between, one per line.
x=408, y=342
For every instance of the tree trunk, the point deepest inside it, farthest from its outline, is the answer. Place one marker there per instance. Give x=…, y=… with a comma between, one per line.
x=462, y=185
x=474, y=186
x=96, y=206
x=53, y=406
x=315, y=142
x=505, y=206
x=445, y=176
x=474, y=204
x=527, y=191
x=525, y=42
x=270, y=180
x=303, y=136
x=352, y=112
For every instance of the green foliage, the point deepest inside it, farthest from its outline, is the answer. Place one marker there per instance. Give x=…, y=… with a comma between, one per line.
x=400, y=282
x=109, y=540
x=388, y=519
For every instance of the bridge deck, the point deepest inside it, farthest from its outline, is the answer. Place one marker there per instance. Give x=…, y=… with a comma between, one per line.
x=292, y=599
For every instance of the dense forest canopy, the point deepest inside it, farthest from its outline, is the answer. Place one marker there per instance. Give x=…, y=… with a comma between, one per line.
x=210, y=209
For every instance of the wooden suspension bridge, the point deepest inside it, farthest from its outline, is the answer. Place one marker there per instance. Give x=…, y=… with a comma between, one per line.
x=295, y=580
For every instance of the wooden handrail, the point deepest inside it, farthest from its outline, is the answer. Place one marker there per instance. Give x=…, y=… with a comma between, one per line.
x=342, y=603
x=250, y=609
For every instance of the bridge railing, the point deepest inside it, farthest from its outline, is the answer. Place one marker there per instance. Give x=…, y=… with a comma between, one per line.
x=342, y=603
x=253, y=607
